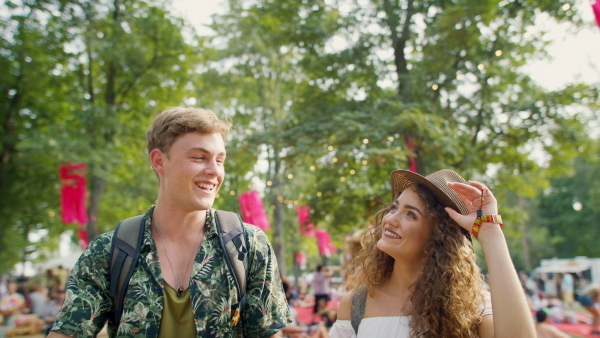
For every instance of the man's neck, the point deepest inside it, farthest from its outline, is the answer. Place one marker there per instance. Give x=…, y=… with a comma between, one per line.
x=177, y=223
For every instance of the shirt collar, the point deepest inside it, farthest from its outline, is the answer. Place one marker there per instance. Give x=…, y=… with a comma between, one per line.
x=210, y=231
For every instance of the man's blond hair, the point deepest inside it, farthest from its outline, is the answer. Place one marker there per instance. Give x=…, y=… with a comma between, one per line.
x=175, y=121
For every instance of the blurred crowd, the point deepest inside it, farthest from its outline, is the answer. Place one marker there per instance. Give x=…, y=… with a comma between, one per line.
x=563, y=298
x=31, y=305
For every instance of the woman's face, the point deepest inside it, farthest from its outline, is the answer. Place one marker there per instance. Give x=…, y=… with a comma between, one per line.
x=406, y=228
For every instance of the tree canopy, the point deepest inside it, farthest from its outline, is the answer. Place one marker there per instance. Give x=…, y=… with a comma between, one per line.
x=325, y=97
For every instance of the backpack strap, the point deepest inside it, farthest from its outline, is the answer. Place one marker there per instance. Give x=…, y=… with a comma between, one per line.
x=357, y=310
x=125, y=251
x=230, y=229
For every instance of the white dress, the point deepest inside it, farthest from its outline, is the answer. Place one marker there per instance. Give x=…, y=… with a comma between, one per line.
x=385, y=327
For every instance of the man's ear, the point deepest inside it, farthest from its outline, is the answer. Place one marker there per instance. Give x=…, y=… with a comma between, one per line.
x=157, y=158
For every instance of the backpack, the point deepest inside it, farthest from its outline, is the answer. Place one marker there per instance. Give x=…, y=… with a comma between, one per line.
x=125, y=252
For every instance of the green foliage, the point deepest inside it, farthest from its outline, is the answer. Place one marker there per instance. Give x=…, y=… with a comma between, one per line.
x=324, y=97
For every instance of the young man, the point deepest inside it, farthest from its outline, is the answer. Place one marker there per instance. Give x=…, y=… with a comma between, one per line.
x=181, y=286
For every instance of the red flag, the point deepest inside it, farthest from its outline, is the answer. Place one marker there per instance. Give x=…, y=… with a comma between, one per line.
x=253, y=210
x=307, y=228
x=596, y=9
x=72, y=198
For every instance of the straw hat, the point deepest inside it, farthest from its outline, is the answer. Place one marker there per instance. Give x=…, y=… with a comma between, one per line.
x=436, y=182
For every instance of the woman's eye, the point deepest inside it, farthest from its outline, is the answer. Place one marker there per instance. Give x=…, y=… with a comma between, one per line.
x=394, y=208
x=411, y=214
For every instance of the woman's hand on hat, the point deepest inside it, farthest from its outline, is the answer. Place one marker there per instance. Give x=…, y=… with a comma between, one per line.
x=470, y=194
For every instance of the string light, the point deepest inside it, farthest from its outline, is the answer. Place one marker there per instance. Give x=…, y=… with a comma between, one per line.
x=51, y=214
x=290, y=176
x=435, y=87
x=319, y=194
x=364, y=162
x=352, y=171
x=232, y=193
x=312, y=168
x=481, y=66
x=330, y=148
x=343, y=179
x=269, y=183
x=391, y=138
x=334, y=160
x=498, y=52
x=366, y=141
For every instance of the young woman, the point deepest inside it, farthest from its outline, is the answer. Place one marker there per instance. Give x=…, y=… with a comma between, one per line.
x=416, y=275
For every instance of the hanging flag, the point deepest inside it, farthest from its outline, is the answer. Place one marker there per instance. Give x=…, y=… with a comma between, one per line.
x=307, y=228
x=72, y=198
x=73, y=193
x=413, y=166
x=326, y=247
x=300, y=259
x=596, y=9
x=253, y=210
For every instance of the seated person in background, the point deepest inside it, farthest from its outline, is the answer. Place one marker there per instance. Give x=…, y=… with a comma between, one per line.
x=293, y=329
x=544, y=329
x=324, y=313
x=589, y=299
x=539, y=301
x=555, y=311
x=52, y=310
x=12, y=307
x=38, y=299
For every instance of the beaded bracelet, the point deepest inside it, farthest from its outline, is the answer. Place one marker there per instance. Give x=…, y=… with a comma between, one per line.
x=496, y=219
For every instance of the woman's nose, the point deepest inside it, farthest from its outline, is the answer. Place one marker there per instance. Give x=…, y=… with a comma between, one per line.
x=390, y=220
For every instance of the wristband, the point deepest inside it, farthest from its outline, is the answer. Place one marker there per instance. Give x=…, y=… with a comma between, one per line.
x=495, y=219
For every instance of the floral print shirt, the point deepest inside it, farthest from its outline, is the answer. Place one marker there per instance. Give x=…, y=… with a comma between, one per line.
x=87, y=305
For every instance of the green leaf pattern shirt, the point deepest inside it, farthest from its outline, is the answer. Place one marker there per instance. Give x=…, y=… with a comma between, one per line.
x=87, y=305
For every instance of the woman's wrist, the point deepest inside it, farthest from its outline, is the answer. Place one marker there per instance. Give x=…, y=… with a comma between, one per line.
x=489, y=232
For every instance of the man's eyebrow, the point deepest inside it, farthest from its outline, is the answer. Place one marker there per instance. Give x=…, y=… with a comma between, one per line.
x=203, y=150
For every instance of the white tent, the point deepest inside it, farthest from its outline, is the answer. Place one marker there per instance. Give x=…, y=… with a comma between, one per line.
x=67, y=262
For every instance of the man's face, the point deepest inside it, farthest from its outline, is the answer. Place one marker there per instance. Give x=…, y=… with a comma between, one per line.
x=193, y=171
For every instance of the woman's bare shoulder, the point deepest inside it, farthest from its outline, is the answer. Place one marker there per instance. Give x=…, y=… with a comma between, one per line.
x=345, y=305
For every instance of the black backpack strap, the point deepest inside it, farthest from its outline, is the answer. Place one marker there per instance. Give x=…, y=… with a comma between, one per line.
x=232, y=237
x=357, y=310
x=125, y=251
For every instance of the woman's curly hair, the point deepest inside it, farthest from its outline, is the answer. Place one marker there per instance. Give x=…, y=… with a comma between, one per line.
x=448, y=295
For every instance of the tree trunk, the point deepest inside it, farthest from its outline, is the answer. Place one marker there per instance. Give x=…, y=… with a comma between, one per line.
x=98, y=184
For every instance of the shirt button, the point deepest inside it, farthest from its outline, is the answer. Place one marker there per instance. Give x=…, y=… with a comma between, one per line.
x=151, y=331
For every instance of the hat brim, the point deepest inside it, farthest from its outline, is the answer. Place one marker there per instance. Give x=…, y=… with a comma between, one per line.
x=437, y=183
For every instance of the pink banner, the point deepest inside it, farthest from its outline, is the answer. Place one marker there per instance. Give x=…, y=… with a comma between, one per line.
x=300, y=259
x=326, y=247
x=253, y=210
x=307, y=228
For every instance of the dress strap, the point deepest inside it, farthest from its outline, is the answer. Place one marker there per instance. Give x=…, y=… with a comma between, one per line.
x=357, y=311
